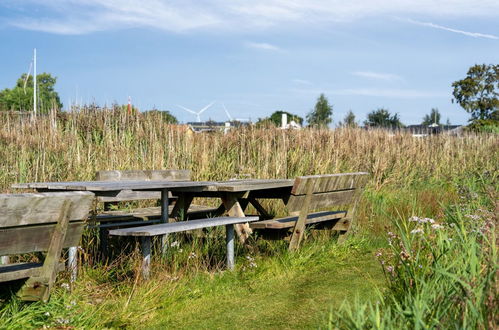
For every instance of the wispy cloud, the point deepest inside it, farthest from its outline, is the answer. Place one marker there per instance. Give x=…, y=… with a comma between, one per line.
x=376, y=92
x=377, y=75
x=466, y=33
x=261, y=45
x=302, y=82
x=84, y=16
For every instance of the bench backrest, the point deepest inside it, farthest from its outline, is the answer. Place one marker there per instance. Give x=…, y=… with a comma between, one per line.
x=330, y=190
x=148, y=175
x=28, y=220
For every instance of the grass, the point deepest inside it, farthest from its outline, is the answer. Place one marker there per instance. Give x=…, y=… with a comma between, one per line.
x=440, y=177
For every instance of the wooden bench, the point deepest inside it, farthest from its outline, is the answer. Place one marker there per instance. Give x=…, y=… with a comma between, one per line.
x=319, y=193
x=147, y=232
x=40, y=222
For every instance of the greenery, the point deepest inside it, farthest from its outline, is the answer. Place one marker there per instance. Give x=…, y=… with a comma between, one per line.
x=383, y=118
x=432, y=118
x=349, y=120
x=444, y=178
x=478, y=93
x=20, y=98
x=165, y=115
x=322, y=114
x=276, y=118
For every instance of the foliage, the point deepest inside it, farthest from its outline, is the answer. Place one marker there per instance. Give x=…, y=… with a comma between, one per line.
x=484, y=126
x=165, y=115
x=383, y=118
x=349, y=120
x=276, y=119
x=432, y=118
x=440, y=273
x=322, y=114
x=20, y=98
x=478, y=93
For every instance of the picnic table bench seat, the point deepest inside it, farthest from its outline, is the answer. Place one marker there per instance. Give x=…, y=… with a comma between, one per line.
x=38, y=222
x=311, y=199
x=147, y=232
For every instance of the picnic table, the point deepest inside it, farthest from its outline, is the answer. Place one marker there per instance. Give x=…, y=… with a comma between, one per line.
x=235, y=194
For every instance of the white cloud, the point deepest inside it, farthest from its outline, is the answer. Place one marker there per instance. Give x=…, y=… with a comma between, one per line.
x=375, y=92
x=466, y=33
x=261, y=45
x=302, y=82
x=84, y=16
x=377, y=75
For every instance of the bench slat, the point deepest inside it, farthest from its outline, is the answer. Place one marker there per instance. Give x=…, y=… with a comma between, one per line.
x=330, y=182
x=36, y=208
x=36, y=238
x=289, y=222
x=175, y=227
x=322, y=200
x=152, y=175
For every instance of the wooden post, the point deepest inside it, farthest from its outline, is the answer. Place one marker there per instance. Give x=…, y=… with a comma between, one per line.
x=164, y=218
x=234, y=209
x=299, y=229
x=145, y=245
x=4, y=260
x=38, y=287
x=229, y=238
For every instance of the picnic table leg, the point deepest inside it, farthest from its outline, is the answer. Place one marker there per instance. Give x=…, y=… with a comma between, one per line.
x=145, y=245
x=4, y=260
x=73, y=262
x=229, y=238
x=164, y=218
x=234, y=209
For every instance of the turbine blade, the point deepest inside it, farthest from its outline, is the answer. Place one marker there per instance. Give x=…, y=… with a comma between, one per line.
x=188, y=110
x=206, y=107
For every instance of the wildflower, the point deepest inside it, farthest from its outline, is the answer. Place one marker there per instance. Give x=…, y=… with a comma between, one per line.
x=65, y=286
x=175, y=244
x=252, y=264
x=378, y=254
x=437, y=226
x=46, y=314
x=404, y=255
x=192, y=255
x=473, y=217
x=417, y=231
x=414, y=219
x=62, y=321
x=426, y=220
x=249, y=258
x=390, y=269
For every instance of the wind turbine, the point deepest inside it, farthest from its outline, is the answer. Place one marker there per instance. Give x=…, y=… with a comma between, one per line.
x=230, y=117
x=198, y=114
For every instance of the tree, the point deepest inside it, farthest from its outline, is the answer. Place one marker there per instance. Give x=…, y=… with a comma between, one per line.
x=322, y=113
x=382, y=118
x=276, y=118
x=166, y=116
x=20, y=98
x=478, y=93
x=349, y=120
x=432, y=118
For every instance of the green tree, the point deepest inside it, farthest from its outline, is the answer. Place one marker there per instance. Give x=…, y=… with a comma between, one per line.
x=383, y=118
x=276, y=118
x=478, y=93
x=322, y=113
x=349, y=120
x=432, y=118
x=20, y=98
x=166, y=116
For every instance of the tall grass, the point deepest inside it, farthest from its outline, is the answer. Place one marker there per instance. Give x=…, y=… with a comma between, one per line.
x=77, y=144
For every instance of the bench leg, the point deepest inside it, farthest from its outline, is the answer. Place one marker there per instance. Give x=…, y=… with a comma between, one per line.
x=73, y=262
x=4, y=260
x=164, y=219
x=146, y=256
x=229, y=238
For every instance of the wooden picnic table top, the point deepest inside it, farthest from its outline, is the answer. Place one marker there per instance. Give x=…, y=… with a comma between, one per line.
x=213, y=186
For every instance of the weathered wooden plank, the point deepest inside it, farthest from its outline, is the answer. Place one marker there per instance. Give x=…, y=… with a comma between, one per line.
x=148, y=175
x=22, y=270
x=321, y=200
x=251, y=185
x=299, y=228
x=289, y=222
x=330, y=182
x=36, y=208
x=36, y=238
x=175, y=227
x=130, y=195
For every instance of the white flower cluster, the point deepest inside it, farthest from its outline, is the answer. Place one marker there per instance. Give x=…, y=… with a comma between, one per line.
x=421, y=220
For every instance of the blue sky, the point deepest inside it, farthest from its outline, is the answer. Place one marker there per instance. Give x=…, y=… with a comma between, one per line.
x=253, y=56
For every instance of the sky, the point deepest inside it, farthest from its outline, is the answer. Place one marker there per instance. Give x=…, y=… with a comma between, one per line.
x=254, y=57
